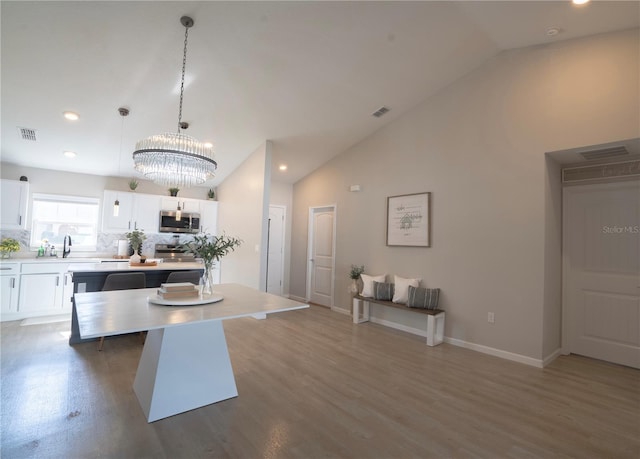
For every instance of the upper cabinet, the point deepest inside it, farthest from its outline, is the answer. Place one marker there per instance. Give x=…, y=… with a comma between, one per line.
x=136, y=211
x=186, y=204
x=14, y=197
x=209, y=217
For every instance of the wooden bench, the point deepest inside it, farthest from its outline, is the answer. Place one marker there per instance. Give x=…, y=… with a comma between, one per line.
x=435, y=317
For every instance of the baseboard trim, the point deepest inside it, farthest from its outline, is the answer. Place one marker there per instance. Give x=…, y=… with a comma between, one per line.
x=551, y=357
x=495, y=352
x=386, y=323
x=298, y=298
x=341, y=310
x=474, y=347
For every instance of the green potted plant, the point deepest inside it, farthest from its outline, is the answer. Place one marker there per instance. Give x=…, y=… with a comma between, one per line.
x=354, y=274
x=210, y=248
x=136, y=238
x=173, y=191
x=133, y=184
x=8, y=246
x=211, y=194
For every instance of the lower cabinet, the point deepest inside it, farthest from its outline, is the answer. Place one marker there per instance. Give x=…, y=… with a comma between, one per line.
x=41, y=292
x=35, y=288
x=9, y=287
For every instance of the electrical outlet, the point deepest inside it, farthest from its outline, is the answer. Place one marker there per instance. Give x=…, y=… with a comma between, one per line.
x=491, y=318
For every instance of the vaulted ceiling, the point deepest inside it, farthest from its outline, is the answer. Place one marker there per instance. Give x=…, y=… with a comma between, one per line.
x=305, y=75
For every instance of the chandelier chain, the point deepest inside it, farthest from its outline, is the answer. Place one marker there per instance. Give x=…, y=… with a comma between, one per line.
x=184, y=65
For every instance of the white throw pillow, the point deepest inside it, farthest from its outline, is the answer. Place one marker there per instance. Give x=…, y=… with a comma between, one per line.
x=401, y=293
x=367, y=284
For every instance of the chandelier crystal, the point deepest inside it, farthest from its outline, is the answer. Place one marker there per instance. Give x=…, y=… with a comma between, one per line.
x=175, y=160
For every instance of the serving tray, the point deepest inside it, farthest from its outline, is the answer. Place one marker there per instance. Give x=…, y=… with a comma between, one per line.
x=204, y=299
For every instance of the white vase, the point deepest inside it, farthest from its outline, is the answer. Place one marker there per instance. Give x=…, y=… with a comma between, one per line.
x=135, y=258
x=353, y=288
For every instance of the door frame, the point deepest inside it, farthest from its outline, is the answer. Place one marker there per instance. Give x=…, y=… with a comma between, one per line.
x=284, y=232
x=566, y=316
x=310, y=239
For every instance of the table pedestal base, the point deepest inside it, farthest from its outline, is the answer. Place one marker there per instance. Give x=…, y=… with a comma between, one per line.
x=183, y=368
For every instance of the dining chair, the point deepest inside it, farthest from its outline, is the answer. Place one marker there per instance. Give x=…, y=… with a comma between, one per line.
x=184, y=276
x=123, y=281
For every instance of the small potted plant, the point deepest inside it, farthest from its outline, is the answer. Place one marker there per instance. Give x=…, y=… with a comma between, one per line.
x=354, y=274
x=133, y=184
x=8, y=246
x=173, y=191
x=210, y=248
x=211, y=195
x=136, y=238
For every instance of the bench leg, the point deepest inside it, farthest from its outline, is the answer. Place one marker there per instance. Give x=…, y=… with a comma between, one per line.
x=356, y=311
x=435, y=329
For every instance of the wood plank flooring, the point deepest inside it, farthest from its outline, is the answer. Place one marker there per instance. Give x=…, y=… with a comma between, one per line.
x=314, y=385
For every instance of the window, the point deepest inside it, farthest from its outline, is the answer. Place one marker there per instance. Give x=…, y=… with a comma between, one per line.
x=55, y=216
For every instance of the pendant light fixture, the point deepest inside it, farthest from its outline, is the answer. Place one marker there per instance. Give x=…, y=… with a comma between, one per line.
x=179, y=213
x=123, y=112
x=176, y=160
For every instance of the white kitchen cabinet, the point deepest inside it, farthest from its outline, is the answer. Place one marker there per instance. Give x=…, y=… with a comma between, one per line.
x=209, y=217
x=186, y=204
x=9, y=287
x=136, y=211
x=40, y=293
x=14, y=196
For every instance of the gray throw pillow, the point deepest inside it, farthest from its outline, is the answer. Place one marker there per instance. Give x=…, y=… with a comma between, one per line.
x=424, y=298
x=382, y=291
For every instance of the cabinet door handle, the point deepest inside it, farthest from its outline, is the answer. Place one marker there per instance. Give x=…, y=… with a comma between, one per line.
x=19, y=219
x=4, y=269
x=57, y=280
x=129, y=224
x=13, y=282
x=135, y=225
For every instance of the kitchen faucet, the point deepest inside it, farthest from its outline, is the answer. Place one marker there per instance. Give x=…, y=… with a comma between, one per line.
x=66, y=249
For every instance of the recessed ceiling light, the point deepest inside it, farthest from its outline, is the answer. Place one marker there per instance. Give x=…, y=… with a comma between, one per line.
x=70, y=154
x=579, y=2
x=283, y=167
x=208, y=145
x=71, y=116
x=552, y=32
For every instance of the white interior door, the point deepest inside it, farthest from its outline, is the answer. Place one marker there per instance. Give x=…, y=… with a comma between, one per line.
x=601, y=271
x=321, y=255
x=275, y=260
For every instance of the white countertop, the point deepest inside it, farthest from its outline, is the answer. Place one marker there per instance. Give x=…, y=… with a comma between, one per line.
x=123, y=266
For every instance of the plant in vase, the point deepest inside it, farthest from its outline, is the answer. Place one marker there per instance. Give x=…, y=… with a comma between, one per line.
x=173, y=191
x=133, y=184
x=8, y=246
x=210, y=248
x=136, y=238
x=354, y=274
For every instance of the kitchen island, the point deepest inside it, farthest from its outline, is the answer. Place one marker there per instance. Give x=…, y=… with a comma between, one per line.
x=90, y=277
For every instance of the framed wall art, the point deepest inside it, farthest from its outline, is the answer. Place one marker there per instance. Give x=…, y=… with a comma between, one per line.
x=409, y=220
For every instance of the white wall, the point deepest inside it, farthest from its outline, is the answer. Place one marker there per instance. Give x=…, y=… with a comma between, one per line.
x=243, y=212
x=479, y=147
x=282, y=195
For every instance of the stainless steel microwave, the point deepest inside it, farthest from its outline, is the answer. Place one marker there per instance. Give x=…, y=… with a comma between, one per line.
x=189, y=222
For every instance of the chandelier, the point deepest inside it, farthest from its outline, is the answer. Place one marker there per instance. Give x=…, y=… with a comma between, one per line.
x=176, y=160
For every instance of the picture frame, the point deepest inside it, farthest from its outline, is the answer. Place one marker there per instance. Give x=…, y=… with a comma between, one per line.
x=409, y=220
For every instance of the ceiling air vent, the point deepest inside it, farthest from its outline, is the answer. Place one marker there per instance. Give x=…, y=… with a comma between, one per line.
x=605, y=153
x=601, y=171
x=381, y=111
x=28, y=134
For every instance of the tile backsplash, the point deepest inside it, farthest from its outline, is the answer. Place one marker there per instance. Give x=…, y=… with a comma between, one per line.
x=106, y=245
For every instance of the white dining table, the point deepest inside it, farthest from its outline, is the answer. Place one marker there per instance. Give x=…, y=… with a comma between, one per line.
x=185, y=362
